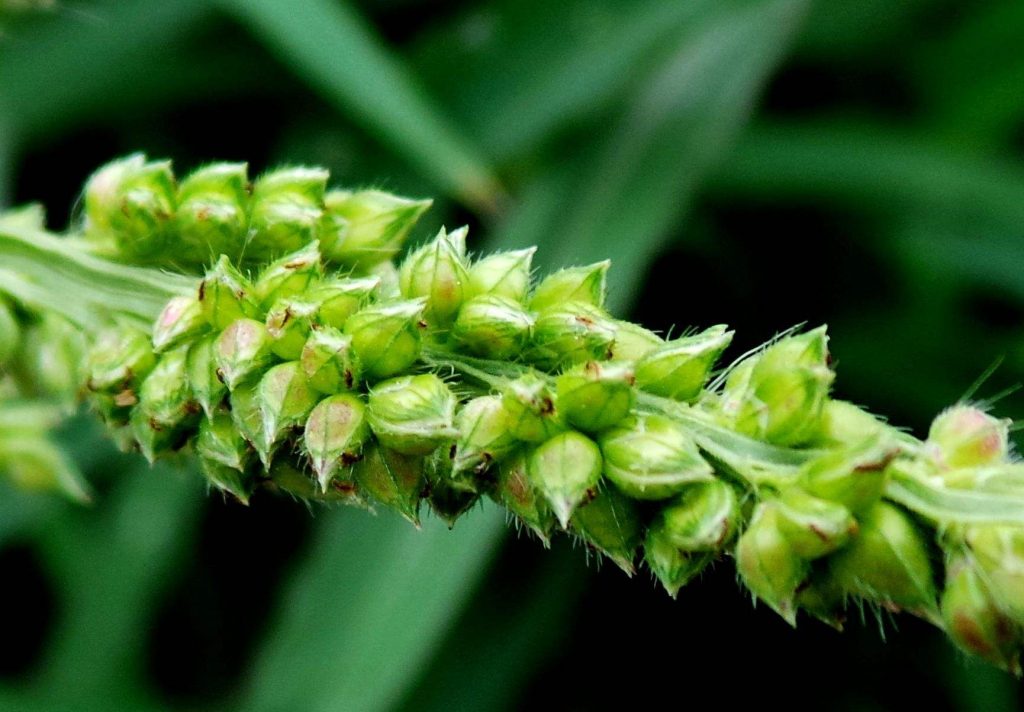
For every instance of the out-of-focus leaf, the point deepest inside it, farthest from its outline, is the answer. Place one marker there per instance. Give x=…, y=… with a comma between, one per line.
x=849, y=31
x=87, y=56
x=337, y=52
x=516, y=71
x=974, y=75
x=506, y=633
x=111, y=563
x=871, y=167
x=623, y=202
x=366, y=609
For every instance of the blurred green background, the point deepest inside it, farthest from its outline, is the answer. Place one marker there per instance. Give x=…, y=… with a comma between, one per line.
x=855, y=162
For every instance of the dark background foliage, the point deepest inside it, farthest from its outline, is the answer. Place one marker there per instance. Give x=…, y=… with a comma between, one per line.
x=761, y=163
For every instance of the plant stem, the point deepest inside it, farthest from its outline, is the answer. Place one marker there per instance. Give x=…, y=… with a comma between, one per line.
x=56, y=274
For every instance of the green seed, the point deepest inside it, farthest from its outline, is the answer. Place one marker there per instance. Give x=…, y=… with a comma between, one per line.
x=586, y=285
x=287, y=205
x=516, y=493
x=226, y=296
x=780, y=396
x=437, y=272
x=396, y=481
x=531, y=413
x=493, y=327
x=341, y=298
x=503, y=274
x=181, y=320
x=412, y=415
x=565, y=469
x=386, y=338
x=335, y=432
x=289, y=323
x=673, y=566
x=633, y=342
x=285, y=399
x=973, y=620
x=852, y=476
x=610, y=524
x=704, y=517
x=484, y=437
x=768, y=565
x=571, y=333
x=166, y=411
x=999, y=552
x=10, y=333
x=367, y=227
x=680, y=368
x=242, y=350
x=965, y=436
x=212, y=215
x=815, y=527
x=220, y=441
x=652, y=457
x=596, y=396
x=202, y=373
x=329, y=361
x=289, y=276
x=887, y=561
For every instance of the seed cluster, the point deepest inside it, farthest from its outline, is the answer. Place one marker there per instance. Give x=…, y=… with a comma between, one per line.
x=308, y=361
